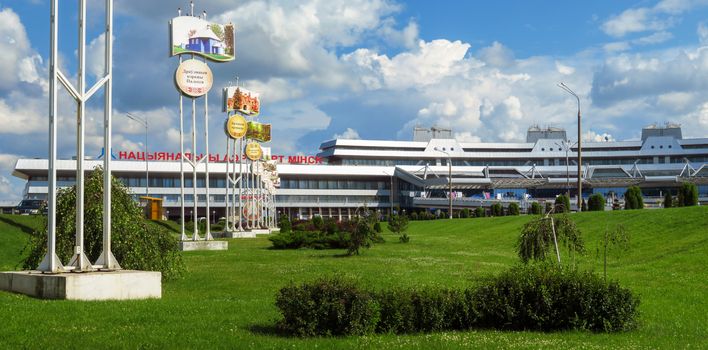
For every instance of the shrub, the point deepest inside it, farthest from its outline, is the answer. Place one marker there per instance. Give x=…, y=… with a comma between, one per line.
x=284, y=223
x=414, y=216
x=136, y=245
x=668, y=200
x=497, y=209
x=317, y=222
x=596, y=202
x=327, y=307
x=542, y=297
x=530, y=297
x=688, y=194
x=535, y=208
x=633, y=198
x=404, y=238
x=513, y=209
x=479, y=212
x=537, y=237
x=362, y=236
x=562, y=204
x=548, y=208
x=465, y=213
x=377, y=227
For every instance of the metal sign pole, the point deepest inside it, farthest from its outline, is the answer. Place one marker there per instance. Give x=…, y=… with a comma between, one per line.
x=79, y=260
x=51, y=262
x=227, y=200
x=183, y=235
x=240, y=182
x=195, y=196
x=208, y=236
x=106, y=259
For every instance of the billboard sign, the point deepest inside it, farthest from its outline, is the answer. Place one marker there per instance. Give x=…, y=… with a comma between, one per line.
x=253, y=151
x=258, y=131
x=194, y=78
x=236, y=127
x=193, y=35
x=238, y=99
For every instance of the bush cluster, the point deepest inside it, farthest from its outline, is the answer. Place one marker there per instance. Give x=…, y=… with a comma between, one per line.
x=688, y=195
x=536, y=208
x=513, y=209
x=596, y=202
x=479, y=212
x=562, y=204
x=310, y=239
x=633, y=198
x=497, y=209
x=534, y=297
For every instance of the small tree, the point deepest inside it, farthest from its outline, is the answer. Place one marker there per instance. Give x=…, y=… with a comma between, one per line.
x=633, y=198
x=479, y=212
x=668, y=200
x=362, y=235
x=537, y=237
x=284, y=224
x=465, y=213
x=596, y=202
x=377, y=227
x=688, y=194
x=617, y=239
x=535, y=208
x=398, y=224
x=497, y=209
x=513, y=209
x=562, y=204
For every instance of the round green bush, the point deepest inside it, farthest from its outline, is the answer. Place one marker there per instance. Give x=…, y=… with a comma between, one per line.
x=513, y=209
x=596, y=202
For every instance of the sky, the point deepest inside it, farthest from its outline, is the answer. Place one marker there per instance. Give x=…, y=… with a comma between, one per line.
x=369, y=69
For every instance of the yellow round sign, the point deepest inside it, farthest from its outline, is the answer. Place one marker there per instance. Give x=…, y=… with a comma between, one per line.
x=236, y=126
x=254, y=151
x=193, y=78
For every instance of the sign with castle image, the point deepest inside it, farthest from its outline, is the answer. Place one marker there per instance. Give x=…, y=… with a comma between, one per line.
x=238, y=99
x=194, y=35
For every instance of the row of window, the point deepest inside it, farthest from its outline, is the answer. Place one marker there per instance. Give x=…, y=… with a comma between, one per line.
x=331, y=199
x=334, y=184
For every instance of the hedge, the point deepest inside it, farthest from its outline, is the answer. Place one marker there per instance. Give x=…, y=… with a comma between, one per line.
x=534, y=297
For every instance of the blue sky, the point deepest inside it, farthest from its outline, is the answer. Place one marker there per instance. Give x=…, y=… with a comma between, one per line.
x=373, y=69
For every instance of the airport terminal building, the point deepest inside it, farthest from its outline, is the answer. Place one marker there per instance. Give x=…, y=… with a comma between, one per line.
x=414, y=175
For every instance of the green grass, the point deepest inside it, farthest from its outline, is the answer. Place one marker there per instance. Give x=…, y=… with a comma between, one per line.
x=226, y=299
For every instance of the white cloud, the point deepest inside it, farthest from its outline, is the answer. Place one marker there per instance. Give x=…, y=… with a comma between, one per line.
x=702, y=32
x=662, y=16
x=563, y=69
x=496, y=55
x=349, y=134
x=592, y=136
x=15, y=48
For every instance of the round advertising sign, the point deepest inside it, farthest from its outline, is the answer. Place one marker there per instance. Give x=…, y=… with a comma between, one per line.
x=254, y=151
x=236, y=126
x=194, y=78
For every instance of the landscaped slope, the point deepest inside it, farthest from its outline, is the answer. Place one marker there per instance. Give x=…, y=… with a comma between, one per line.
x=226, y=299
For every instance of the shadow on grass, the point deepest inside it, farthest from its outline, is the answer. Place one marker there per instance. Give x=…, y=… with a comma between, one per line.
x=269, y=330
x=26, y=229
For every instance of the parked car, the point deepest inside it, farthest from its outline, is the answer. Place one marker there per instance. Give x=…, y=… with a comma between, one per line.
x=31, y=206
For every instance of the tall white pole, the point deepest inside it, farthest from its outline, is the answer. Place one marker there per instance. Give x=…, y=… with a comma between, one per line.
x=106, y=259
x=79, y=261
x=195, y=198
x=240, y=182
x=206, y=166
x=51, y=262
x=227, y=200
x=183, y=235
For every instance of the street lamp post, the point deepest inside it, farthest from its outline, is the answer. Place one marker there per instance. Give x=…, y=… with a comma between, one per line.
x=449, y=180
x=144, y=123
x=580, y=157
x=566, y=145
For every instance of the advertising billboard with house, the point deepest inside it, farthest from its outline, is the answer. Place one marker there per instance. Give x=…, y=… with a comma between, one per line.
x=194, y=35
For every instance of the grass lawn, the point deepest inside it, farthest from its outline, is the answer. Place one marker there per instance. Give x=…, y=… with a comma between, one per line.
x=226, y=299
